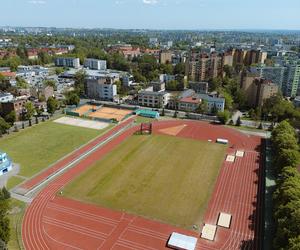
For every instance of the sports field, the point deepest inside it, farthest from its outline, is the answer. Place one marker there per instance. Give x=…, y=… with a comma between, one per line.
x=37, y=147
x=166, y=178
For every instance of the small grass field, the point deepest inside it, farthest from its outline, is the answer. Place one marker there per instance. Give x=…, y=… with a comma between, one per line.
x=37, y=147
x=15, y=219
x=166, y=178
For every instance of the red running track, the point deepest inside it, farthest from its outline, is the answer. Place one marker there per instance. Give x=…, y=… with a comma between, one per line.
x=52, y=222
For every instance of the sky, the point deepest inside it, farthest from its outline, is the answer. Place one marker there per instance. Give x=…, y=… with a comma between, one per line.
x=153, y=14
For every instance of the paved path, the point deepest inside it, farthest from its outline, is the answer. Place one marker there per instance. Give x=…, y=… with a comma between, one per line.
x=4, y=178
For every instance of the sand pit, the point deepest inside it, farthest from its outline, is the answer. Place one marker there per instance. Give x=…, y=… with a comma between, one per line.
x=173, y=130
x=82, y=123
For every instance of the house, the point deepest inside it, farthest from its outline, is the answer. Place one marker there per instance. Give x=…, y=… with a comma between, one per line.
x=213, y=102
x=16, y=105
x=190, y=103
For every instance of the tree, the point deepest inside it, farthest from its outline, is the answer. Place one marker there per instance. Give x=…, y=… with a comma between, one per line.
x=4, y=220
x=11, y=118
x=80, y=77
x=21, y=83
x=166, y=69
x=214, y=84
x=294, y=243
x=277, y=109
x=72, y=98
x=50, y=83
x=286, y=158
x=4, y=126
x=223, y=117
x=58, y=71
x=52, y=105
x=179, y=69
x=44, y=57
x=30, y=110
x=202, y=108
x=228, y=98
x=171, y=85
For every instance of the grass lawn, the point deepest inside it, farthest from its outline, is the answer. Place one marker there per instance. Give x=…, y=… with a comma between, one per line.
x=16, y=215
x=13, y=181
x=37, y=147
x=161, y=177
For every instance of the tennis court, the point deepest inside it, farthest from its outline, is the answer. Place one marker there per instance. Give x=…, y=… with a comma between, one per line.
x=83, y=109
x=110, y=113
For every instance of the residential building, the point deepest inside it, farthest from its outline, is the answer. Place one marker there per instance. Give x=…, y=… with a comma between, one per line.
x=248, y=57
x=214, y=103
x=95, y=64
x=201, y=66
x=101, y=89
x=296, y=101
x=31, y=71
x=46, y=91
x=189, y=101
x=189, y=104
x=6, y=97
x=127, y=80
x=199, y=87
x=165, y=57
x=291, y=86
x=16, y=105
x=274, y=73
x=257, y=89
x=227, y=58
x=166, y=78
x=149, y=98
x=158, y=86
x=265, y=89
x=67, y=62
x=249, y=87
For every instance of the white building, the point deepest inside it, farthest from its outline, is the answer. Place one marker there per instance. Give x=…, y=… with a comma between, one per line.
x=67, y=62
x=152, y=99
x=6, y=97
x=213, y=102
x=101, y=89
x=95, y=64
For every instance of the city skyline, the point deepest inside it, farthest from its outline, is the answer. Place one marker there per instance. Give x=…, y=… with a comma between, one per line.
x=153, y=14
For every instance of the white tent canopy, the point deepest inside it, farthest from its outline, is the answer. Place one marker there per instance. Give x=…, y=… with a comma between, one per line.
x=180, y=241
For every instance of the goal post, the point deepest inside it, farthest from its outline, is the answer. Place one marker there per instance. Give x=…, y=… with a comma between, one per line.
x=146, y=128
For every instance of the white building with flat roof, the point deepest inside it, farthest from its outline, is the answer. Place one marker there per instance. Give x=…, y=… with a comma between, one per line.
x=101, y=89
x=95, y=64
x=67, y=62
x=6, y=97
x=153, y=99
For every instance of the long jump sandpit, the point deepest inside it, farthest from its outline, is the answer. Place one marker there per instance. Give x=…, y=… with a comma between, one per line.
x=82, y=123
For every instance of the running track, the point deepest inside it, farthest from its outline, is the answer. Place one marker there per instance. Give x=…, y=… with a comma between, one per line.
x=52, y=222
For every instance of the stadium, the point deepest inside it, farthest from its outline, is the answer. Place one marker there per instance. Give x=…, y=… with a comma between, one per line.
x=167, y=184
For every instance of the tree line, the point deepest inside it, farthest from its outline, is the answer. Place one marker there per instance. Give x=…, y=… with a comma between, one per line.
x=4, y=219
x=286, y=159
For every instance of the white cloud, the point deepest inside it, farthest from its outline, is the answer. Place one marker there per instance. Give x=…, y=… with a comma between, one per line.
x=37, y=2
x=150, y=2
